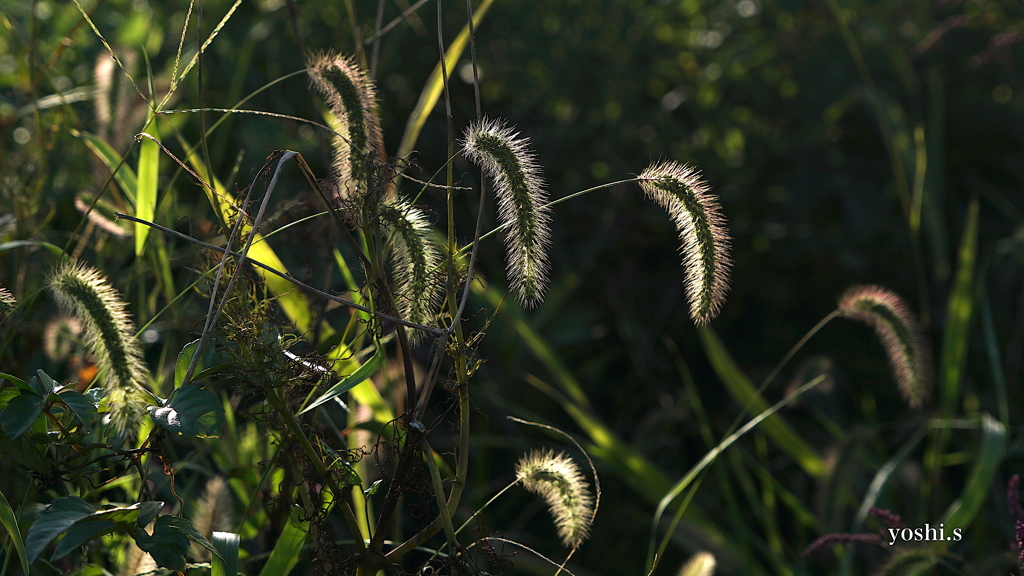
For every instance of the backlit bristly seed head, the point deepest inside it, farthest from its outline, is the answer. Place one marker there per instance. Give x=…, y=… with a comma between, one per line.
x=900, y=334
x=416, y=262
x=349, y=93
x=557, y=479
x=522, y=203
x=7, y=303
x=698, y=218
x=84, y=293
x=701, y=564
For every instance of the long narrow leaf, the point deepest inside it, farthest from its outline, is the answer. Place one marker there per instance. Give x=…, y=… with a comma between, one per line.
x=958, y=316
x=124, y=176
x=990, y=454
x=285, y=554
x=358, y=377
x=741, y=389
x=10, y=522
x=435, y=83
x=145, y=195
x=227, y=563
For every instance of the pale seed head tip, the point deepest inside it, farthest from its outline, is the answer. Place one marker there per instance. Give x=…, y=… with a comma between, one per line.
x=557, y=479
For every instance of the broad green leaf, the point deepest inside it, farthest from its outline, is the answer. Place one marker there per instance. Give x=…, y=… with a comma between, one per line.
x=81, y=533
x=80, y=405
x=7, y=395
x=959, y=310
x=184, y=359
x=60, y=515
x=26, y=453
x=190, y=410
x=124, y=176
x=184, y=525
x=21, y=384
x=20, y=414
x=48, y=384
x=10, y=521
x=435, y=83
x=744, y=393
x=987, y=459
x=134, y=514
x=358, y=377
x=168, y=545
x=145, y=197
x=285, y=554
x=227, y=563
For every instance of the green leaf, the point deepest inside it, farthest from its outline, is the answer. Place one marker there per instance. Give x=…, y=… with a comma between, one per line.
x=60, y=515
x=190, y=410
x=26, y=453
x=10, y=522
x=124, y=176
x=959, y=310
x=80, y=534
x=147, y=512
x=20, y=413
x=129, y=514
x=16, y=381
x=185, y=526
x=744, y=393
x=351, y=381
x=285, y=554
x=227, y=563
x=184, y=359
x=80, y=405
x=167, y=544
x=48, y=384
x=990, y=454
x=145, y=198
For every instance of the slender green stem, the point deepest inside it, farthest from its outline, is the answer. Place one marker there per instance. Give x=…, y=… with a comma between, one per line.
x=442, y=506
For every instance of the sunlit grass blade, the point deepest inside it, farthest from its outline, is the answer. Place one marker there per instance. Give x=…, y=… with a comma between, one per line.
x=435, y=83
x=145, y=196
x=744, y=393
x=977, y=488
x=10, y=521
x=288, y=548
x=959, y=310
x=227, y=543
x=124, y=175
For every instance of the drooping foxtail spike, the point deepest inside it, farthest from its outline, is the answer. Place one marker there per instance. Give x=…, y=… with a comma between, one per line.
x=349, y=94
x=698, y=218
x=522, y=203
x=557, y=479
x=416, y=263
x=901, y=336
x=84, y=293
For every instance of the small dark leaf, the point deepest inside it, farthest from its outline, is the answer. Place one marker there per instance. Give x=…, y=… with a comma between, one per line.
x=186, y=528
x=147, y=512
x=167, y=544
x=60, y=515
x=21, y=384
x=83, y=408
x=48, y=383
x=20, y=413
x=190, y=410
x=80, y=534
x=26, y=453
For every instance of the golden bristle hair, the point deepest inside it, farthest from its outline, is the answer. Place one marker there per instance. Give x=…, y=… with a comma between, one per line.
x=701, y=564
x=7, y=303
x=522, y=203
x=695, y=211
x=85, y=293
x=349, y=93
x=900, y=334
x=417, y=261
x=557, y=479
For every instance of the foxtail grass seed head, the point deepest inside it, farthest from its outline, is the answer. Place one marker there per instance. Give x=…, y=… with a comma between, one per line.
x=522, y=203
x=84, y=293
x=417, y=262
x=701, y=564
x=214, y=512
x=349, y=93
x=698, y=218
x=900, y=334
x=7, y=303
x=60, y=337
x=557, y=479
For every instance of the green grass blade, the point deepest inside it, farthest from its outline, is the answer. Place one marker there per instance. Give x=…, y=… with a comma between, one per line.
x=990, y=454
x=226, y=544
x=351, y=381
x=10, y=522
x=995, y=360
x=958, y=317
x=741, y=389
x=435, y=83
x=145, y=195
x=124, y=175
x=288, y=548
